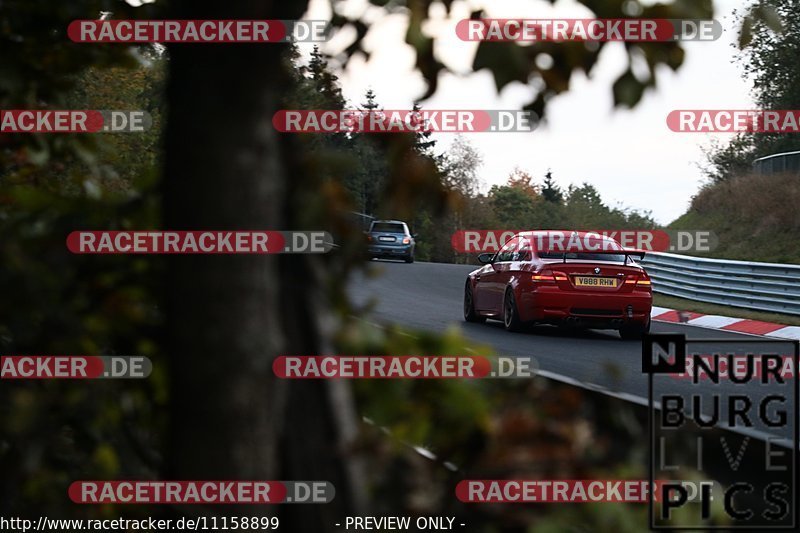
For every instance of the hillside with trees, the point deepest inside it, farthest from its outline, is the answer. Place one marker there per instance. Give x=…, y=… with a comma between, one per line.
x=755, y=214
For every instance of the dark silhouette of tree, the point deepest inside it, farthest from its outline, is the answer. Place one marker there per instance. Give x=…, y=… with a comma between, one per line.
x=370, y=103
x=551, y=192
x=372, y=160
x=423, y=142
x=324, y=83
x=229, y=317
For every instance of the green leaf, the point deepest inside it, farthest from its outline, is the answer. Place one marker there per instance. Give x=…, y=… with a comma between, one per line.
x=628, y=90
x=506, y=60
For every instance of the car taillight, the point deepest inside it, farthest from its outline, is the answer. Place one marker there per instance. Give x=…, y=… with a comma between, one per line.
x=547, y=276
x=406, y=240
x=639, y=281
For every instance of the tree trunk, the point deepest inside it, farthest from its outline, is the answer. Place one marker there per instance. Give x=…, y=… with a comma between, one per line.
x=229, y=316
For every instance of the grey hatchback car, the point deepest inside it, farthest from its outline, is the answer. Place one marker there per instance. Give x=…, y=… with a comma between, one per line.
x=390, y=239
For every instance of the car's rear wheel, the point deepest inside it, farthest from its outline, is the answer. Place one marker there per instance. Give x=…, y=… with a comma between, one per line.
x=510, y=314
x=469, y=306
x=634, y=332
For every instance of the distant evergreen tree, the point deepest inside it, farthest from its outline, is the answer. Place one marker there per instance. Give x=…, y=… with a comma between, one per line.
x=324, y=83
x=550, y=191
x=373, y=162
x=371, y=104
x=423, y=144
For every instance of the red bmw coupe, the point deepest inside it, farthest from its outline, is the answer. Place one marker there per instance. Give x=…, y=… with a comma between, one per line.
x=572, y=278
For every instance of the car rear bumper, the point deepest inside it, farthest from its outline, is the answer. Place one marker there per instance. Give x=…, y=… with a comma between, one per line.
x=390, y=251
x=586, y=309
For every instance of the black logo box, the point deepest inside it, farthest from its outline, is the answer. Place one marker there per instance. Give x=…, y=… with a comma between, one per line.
x=678, y=366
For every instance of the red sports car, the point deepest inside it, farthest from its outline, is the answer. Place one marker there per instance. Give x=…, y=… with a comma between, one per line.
x=561, y=277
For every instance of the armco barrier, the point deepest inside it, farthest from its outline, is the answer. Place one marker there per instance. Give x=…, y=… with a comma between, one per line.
x=763, y=286
x=778, y=163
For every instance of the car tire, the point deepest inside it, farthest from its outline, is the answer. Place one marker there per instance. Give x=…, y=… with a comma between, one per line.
x=511, y=319
x=410, y=258
x=470, y=315
x=634, y=332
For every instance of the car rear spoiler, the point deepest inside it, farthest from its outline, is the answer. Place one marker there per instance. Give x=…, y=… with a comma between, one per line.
x=635, y=253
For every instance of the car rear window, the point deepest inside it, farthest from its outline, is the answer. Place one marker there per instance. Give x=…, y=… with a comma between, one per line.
x=388, y=227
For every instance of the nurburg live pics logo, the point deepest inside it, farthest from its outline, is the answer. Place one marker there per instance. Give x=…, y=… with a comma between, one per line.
x=733, y=423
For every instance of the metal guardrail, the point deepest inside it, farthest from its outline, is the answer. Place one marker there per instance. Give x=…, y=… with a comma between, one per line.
x=763, y=286
x=777, y=163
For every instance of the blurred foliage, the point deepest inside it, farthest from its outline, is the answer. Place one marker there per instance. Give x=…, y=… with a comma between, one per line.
x=441, y=415
x=424, y=436
x=120, y=160
x=52, y=433
x=513, y=62
x=41, y=68
x=58, y=303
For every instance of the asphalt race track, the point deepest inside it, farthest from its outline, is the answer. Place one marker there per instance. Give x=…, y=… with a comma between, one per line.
x=428, y=296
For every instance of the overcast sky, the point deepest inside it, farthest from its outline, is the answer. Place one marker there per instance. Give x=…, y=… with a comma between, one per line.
x=629, y=155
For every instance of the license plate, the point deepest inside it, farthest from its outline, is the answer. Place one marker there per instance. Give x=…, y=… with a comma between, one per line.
x=386, y=239
x=590, y=281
